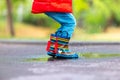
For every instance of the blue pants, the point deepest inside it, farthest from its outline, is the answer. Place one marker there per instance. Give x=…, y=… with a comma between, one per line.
x=66, y=20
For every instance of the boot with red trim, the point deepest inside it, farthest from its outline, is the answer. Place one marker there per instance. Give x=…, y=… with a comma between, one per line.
x=51, y=46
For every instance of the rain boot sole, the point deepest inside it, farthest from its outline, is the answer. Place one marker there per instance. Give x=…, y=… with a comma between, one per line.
x=74, y=56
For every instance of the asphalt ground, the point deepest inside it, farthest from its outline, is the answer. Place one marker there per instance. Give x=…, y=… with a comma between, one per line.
x=30, y=62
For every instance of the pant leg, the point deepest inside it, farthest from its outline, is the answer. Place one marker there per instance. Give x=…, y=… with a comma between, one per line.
x=66, y=20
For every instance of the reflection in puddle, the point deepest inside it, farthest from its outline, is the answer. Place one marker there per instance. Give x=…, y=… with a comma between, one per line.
x=37, y=59
x=43, y=59
x=99, y=55
x=81, y=55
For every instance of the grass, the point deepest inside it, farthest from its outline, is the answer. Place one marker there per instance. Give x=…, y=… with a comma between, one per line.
x=112, y=34
x=3, y=30
x=26, y=31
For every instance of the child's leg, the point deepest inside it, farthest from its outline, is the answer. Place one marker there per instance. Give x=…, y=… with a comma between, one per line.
x=66, y=20
x=60, y=44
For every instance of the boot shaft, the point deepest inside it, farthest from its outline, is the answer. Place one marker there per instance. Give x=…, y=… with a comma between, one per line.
x=56, y=43
x=51, y=43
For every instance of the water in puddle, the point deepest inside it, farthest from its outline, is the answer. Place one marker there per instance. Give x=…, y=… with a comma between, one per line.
x=81, y=56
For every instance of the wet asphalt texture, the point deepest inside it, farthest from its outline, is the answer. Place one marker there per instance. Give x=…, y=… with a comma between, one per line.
x=30, y=62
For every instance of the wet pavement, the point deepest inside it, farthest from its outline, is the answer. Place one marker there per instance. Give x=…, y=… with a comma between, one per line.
x=30, y=62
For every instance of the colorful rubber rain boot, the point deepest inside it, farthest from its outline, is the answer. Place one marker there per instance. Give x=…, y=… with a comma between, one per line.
x=51, y=46
x=63, y=48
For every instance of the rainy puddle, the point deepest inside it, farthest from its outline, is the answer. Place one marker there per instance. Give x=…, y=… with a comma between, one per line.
x=81, y=56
